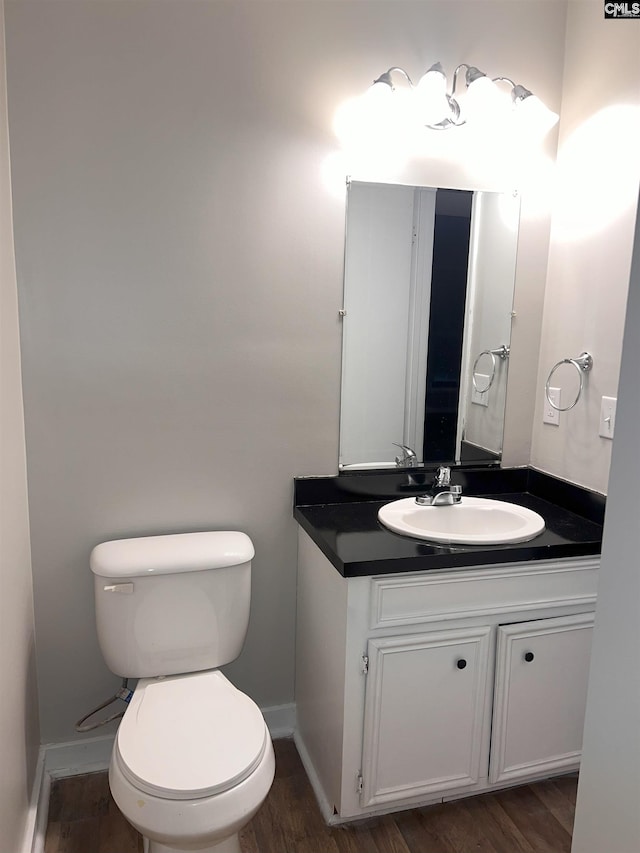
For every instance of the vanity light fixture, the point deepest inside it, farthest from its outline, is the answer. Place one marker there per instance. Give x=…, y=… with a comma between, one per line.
x=484, y=101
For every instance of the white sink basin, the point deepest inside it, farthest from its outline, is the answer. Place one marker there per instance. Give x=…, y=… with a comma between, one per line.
x=474, y=521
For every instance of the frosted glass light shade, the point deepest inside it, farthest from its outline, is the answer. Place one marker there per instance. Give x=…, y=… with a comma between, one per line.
x=431, y=104
x=484, y=102
x=379, y=93
x=356, y=119
x=532, y=116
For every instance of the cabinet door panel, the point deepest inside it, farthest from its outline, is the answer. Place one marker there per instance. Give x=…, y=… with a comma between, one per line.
x=542, y=669
x=426, y=716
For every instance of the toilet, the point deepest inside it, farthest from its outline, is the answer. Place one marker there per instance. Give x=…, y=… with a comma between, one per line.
x=192, y=760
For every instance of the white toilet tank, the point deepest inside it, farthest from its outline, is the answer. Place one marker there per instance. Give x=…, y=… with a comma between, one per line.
x=172, y=604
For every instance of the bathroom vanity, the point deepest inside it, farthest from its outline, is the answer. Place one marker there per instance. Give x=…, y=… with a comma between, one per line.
x=428, y=672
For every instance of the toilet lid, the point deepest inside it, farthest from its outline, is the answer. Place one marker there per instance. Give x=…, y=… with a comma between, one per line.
x=190, y=736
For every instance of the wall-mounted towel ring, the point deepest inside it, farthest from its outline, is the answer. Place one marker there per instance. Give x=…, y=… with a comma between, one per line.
x=583, y=364
x=502, y=353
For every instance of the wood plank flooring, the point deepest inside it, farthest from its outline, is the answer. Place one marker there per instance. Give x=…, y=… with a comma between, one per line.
x=530, y=819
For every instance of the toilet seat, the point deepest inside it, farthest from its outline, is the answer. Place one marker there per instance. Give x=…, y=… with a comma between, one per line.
x=189, y=736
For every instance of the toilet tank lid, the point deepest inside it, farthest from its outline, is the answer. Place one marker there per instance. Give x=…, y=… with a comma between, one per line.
x=171, y=554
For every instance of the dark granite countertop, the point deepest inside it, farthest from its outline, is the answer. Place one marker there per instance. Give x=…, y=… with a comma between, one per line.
x=347, y=530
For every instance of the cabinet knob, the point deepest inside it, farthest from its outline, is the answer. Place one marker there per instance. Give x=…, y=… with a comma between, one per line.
x=461, y=663
x=529, y=656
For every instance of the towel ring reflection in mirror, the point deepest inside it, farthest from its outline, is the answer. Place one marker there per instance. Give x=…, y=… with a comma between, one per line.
x=583, y=364
x=502, y=353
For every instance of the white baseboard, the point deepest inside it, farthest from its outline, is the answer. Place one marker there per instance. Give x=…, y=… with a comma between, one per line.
x=88, y=755
x=324, y=805
x=55, y=761
x=91, y=755
x=280, y=720
x=36, y=823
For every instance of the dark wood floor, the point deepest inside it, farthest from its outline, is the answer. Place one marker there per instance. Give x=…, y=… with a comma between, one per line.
x=530, y=819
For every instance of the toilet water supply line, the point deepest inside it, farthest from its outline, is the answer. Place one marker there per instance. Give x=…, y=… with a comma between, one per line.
x=123, y=694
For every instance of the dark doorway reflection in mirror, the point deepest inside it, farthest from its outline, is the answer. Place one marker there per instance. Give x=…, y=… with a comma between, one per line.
x=451, y=235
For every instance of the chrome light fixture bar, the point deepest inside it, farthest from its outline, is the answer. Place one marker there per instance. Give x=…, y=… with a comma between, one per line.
x=483, y=100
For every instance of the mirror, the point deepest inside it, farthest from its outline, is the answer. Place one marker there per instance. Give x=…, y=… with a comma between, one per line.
x=428, y=300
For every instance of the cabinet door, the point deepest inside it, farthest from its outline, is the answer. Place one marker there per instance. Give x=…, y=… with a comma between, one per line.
x=542, y=670
x=426, y=714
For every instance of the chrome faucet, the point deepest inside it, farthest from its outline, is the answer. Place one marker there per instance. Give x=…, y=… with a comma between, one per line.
x=442, y=492
x=408, y=458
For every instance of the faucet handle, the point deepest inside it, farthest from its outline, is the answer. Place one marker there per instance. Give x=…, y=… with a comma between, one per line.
x=443, y=476
x=408, y=458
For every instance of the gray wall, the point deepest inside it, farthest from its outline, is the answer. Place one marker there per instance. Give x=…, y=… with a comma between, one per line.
x=596, y=192
x=180, y=270
x=607, y=815
x=19, y=733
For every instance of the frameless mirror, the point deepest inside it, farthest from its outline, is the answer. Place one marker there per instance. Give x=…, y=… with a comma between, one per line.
x=428, y=297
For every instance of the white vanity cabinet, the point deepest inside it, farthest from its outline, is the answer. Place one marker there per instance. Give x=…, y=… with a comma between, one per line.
x=418, y=687
x=542, y=668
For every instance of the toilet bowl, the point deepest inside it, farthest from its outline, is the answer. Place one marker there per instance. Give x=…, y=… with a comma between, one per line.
x=192, y=760
x=192, y=763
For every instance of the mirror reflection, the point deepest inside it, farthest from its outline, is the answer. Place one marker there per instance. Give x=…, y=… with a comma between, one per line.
x=428, y=297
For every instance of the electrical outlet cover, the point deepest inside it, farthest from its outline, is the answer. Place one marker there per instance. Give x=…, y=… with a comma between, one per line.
x=481, y=398
x=551, y=415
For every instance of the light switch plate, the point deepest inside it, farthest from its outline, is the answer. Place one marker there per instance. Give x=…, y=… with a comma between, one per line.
x=551, y=415
x=607, y=416
x=481, y=398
